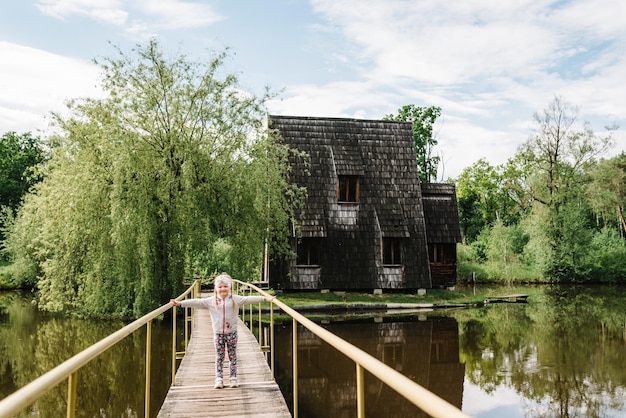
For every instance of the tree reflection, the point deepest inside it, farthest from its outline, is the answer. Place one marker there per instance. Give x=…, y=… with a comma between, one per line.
x=564, y=351
x=112, y=385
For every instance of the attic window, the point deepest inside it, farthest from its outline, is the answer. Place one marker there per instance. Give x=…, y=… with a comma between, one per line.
x=392, y=250
x=309, y=252
x=348, y=189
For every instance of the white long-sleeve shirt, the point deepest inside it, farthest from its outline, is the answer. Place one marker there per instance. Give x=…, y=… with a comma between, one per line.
x=223, y=315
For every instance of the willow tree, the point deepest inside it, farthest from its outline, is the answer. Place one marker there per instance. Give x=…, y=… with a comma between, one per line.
x=144, y=183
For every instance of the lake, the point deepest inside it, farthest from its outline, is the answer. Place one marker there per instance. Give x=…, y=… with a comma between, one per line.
x=562, y=354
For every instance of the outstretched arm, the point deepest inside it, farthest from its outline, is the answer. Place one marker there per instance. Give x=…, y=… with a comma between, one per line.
x=247, y=300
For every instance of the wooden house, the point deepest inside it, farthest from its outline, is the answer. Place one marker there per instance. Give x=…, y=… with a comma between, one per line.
x=363, y=225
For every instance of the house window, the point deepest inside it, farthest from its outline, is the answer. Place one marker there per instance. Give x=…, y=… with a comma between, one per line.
x=436, y=253
x=309, y=252
x=348, y=189
x=391, y=251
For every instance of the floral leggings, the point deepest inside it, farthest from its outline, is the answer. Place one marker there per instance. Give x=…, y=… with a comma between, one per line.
x=225, y=342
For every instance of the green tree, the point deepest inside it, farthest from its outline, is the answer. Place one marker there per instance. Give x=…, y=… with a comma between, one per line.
x=551, y=172
x=607, y=190
x=144, y=183
x=483, y=199
x=606, y=255
x=423, y=119
x=556, y=154
x=19, y=154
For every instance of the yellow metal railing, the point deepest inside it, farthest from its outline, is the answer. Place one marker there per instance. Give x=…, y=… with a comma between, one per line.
x=414, y=393
x=193, y=291
x=68, y=370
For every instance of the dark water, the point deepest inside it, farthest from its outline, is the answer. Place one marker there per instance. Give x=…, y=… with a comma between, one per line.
x=32, y=343
x=563, y=354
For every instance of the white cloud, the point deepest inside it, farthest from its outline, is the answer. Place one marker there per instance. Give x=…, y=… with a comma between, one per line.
x=175, y=14
x=35, y=82
x=440, y=43
x=142, y=18
x=107, y=11
x=597, y=19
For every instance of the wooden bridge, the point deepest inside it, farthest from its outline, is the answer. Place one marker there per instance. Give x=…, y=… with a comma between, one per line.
x=193, y=395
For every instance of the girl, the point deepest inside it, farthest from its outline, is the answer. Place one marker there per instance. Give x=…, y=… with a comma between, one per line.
x=224, y=309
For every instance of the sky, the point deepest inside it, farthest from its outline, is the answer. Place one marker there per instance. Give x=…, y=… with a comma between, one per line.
x=490, y=65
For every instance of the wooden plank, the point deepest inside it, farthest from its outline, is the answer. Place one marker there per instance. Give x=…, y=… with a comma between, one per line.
x=193, y=395
x=508, y=298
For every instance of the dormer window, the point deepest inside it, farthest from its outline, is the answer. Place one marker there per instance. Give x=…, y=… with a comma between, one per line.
x=348, y=189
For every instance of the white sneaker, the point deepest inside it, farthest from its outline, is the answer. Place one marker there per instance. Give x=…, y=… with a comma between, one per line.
x=219, y=383
x=233, y=382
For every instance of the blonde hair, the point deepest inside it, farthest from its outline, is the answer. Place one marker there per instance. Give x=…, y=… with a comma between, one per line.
x=223, y=278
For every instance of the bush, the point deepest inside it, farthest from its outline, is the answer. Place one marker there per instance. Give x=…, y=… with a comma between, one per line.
x=605, y=260
x=6, y=275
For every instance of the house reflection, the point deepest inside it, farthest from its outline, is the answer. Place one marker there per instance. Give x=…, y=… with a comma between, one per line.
x=425, y=349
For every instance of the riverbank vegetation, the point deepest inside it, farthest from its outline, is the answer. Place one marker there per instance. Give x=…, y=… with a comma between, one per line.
x=552, y=213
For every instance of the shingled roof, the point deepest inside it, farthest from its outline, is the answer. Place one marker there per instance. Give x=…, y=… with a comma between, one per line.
x=441, y=213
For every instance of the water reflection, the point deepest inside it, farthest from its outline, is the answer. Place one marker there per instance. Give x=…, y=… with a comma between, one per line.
x=424, y=348
x=561, y=355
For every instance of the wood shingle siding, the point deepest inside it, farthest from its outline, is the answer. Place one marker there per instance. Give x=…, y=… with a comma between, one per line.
x=443, y=231
x=441, y=213
x=364, y=195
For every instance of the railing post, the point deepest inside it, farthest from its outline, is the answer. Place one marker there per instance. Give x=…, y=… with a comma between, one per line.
x=148, y=367
x=360, y=392
x=260, y=319
x=243, y=308
x=295, y=368
x=187, y=326
x=250, y=307
x=173, y=344
x=272, y=339
x=71, y=394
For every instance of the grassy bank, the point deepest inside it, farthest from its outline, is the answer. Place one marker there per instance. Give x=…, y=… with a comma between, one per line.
x=461, y=294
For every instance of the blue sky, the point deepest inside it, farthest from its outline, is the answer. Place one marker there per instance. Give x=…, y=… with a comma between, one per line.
x=489, y=64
